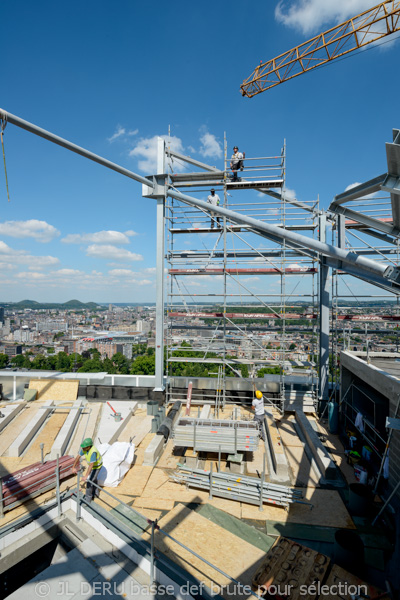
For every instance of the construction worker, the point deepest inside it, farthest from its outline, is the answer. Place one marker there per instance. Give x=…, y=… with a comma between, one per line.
x=259, y=416
x=213, y=199
x=94, y=461
x=236, y=163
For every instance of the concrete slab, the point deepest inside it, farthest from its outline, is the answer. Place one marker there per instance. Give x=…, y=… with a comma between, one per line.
x=10, y=411
x=63, y=438
x=86, y=427
x=153, y=450
x=29, y=432
x=278, y=467
x=320, y=454
x=205, y=411
x=109, y=428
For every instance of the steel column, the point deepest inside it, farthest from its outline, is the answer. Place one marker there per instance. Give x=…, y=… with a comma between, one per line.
x=160, y=251
x=323, y=320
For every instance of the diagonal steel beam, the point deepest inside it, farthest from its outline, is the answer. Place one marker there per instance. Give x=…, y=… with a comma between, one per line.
x=360, y=264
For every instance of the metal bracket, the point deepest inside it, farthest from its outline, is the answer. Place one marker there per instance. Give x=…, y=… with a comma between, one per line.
x=159, y=190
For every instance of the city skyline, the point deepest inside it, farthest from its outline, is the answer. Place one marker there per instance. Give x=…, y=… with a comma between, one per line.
x=73, y=228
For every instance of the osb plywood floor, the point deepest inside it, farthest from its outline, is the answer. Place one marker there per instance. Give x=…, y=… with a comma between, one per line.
x=12, y=431
x=55, y=389
x=229, y=553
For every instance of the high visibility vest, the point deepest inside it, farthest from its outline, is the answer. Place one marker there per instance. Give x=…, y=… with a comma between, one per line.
x=98, y=463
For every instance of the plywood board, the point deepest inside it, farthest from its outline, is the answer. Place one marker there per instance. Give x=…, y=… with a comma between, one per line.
x=153, y=503
x=160, y=486
x=18, y=425
x=47, y=435
x=255, y=461
x=303, y=475
x=329, y=511
x=55, y=389
x=228, y=552
x=138, y=427
x=288, y=433
x=170, y=456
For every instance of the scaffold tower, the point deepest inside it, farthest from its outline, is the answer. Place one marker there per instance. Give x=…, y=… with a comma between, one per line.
x=235, y=302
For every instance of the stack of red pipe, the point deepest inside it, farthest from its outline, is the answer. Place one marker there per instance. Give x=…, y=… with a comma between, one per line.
x=21, y=484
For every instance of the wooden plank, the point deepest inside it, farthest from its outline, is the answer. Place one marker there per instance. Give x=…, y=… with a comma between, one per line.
x=55, y=389
x=19, y=423
x=160, y=486
x=47, y=435
x=153, y=503
x=138, y=427
x=328, y=511
x=171, y=456
x=289, y=566
x=228, y=552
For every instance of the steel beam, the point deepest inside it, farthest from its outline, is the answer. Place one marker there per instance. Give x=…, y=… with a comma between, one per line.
x=362, y=265
x=160, y=251
x=191, y=161
x=323, y=320
x=358, y=191
x=47, y=135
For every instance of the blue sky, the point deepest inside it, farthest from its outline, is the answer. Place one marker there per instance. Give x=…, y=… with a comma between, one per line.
x=110, y=76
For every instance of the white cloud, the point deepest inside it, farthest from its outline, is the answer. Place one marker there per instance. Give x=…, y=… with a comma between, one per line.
x=122, y=132
x=121, y=272
x=21, y=257
x=110, y=252
x=310, y=15
x=38, y=230
x=67, y=272
x=210, y=146
x=146, y=151
x=30, y=275
x=99, y=237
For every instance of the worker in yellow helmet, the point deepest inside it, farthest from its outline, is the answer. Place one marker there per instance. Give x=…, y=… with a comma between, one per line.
x=95, y=462
x=259, y=416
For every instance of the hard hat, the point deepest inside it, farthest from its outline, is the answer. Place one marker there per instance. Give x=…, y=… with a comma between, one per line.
x=258, y=394
x=212, y=189
x=236, y=147
x=88, y=442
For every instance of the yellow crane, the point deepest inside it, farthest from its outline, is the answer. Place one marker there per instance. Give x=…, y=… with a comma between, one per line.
x=363, y=29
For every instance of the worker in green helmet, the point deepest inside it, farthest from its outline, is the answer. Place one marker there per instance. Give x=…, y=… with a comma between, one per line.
x=93, y=458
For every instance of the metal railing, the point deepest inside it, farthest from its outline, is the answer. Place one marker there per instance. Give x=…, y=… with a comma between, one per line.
x=154, y=528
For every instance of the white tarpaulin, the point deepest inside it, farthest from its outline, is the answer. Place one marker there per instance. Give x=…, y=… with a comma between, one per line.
x=117, y=460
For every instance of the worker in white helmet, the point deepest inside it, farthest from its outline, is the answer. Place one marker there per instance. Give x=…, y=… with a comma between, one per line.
x=259, y=416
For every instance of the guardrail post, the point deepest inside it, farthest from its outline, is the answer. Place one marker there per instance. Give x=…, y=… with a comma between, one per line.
x=262, y=485
x=152, y=551
x=42, y=453
x=78, y=496
x=219, y=458
x=235, y=427
x=58, y=486
x=1, y=499
x=211, y=479
x=194, y=435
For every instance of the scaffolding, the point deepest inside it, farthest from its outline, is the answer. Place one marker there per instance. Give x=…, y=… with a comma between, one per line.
x=377, y=327
x=235, y=305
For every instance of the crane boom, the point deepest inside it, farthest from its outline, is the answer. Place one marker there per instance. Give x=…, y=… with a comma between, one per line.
x=361, y=30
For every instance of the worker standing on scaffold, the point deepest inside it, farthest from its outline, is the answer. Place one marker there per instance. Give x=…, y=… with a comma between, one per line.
x=236, y=163
x=213, y=199
x=259, y=416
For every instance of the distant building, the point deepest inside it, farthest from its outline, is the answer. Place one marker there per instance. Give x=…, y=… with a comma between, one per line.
x=1, y=315
x=52, y=325
x=11, y=350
